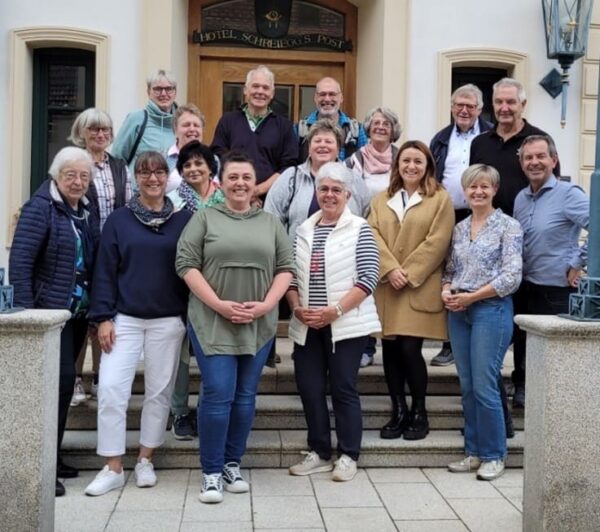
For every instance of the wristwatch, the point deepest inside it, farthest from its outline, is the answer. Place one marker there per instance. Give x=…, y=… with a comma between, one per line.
x=339, y=310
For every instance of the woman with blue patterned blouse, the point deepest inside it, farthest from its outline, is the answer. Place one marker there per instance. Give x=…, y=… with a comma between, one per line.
x=483, y=268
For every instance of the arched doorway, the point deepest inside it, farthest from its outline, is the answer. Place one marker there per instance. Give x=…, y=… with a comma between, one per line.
x=301, y=41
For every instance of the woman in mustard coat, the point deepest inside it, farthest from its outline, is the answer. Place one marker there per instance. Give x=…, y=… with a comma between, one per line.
x=412, y=221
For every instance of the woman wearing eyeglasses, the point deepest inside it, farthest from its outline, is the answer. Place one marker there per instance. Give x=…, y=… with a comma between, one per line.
x=140, y=306
x=150, y=128
x=110, y=188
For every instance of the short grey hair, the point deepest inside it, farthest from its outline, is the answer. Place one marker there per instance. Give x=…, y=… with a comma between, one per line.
x=156, y=75
x=510, y=82
x=469, y=89
x=337, y=172
x=92, y=117
x=68, y=155
x=324, y=125
x=187, y=108
x=261, y=69
x=552, y=151
x=477, y=171
x=388, y=115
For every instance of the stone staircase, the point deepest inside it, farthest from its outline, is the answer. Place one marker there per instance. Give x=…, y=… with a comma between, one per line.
x=279, y=432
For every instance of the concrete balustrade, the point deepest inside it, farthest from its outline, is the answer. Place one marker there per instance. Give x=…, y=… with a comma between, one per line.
x=29, y=350
x=562, y=422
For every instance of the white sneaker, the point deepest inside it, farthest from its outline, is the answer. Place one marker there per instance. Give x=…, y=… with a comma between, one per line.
x=212, y=488
x=105, y=481
x=468, y=463
x=144, y=474
x=345, y=469
x=233, y=480
x=490, y=470
x=78, y=392
x=312, y=463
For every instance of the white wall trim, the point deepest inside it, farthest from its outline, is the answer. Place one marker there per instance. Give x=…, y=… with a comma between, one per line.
x=515, y=62
x=22, y=42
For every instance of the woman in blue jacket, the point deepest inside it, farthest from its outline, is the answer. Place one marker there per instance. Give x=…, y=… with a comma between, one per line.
x=51, y=262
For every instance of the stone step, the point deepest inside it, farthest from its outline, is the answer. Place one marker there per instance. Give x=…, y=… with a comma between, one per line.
x=285, y=412
x=371, y=380
x=281, y=448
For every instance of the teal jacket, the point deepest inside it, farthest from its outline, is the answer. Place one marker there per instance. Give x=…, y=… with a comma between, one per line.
x=158, y=134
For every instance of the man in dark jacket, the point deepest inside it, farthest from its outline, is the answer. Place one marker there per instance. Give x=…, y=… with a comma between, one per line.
x=499, y=147
x=451, y=148
x=267, y=138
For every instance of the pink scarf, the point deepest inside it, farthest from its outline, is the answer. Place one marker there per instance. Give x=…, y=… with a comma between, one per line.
x=376, y=162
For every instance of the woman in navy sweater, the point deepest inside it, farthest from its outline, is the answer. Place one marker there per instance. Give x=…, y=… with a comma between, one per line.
x=140, y=307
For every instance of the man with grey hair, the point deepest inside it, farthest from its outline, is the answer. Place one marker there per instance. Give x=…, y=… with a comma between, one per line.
x=328, y=99
x=499, y=147
x=149, y=128
x=267, y=138
x=451, y=148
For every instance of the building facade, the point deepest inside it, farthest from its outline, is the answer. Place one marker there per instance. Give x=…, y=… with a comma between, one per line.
x=61, y=57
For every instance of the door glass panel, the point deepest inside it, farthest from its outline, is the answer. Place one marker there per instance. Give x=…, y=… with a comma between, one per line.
x=307, y=100
x=282, y=104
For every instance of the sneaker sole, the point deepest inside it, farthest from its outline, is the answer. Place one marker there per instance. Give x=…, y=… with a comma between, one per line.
x=488, y=479
x=441, y=364
x=231, y=488
x=213, y=498
x=185, y=437
x=95, y=493
x=145, y=484
x=320, y=469
x=342, y=479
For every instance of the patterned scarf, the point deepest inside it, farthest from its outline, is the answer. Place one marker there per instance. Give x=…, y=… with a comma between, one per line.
x=376, y=162
x=152, y=219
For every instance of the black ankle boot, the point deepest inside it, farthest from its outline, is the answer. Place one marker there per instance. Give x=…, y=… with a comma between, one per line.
x=419, y=424
x=399, y=422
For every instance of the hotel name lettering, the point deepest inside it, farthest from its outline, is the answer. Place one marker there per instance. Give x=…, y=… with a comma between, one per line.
x=253, y=39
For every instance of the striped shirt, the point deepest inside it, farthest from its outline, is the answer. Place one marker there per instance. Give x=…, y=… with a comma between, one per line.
x=367, y=264
x=105, y=188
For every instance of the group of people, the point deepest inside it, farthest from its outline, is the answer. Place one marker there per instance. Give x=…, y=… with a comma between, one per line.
x=327, y=221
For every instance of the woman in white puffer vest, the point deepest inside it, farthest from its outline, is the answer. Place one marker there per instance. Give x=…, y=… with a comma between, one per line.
x=333, y=312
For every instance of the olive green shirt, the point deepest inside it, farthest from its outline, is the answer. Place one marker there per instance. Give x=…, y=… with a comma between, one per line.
x=238, y=255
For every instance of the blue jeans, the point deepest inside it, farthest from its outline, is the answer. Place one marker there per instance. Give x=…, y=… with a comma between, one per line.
x=480, y=336
x=227, y=403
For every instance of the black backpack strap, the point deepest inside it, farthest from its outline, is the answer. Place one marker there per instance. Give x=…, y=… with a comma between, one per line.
x=138, y=138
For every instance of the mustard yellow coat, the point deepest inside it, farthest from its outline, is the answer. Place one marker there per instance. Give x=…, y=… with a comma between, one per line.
x=417, y=240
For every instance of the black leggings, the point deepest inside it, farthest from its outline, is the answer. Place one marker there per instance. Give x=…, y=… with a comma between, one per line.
x=403, y=362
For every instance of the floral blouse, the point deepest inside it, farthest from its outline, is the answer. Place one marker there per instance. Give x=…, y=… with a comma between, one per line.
x=494, y=257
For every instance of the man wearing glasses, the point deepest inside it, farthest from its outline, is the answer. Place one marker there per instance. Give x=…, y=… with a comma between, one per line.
x=328, y=99
x=451, y=148
x=151, y=128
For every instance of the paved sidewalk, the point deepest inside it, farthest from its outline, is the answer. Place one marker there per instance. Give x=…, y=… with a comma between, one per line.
x=378, y=500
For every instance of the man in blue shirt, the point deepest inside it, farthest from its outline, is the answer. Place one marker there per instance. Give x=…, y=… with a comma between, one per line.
x=552, y=214
x=328, y=99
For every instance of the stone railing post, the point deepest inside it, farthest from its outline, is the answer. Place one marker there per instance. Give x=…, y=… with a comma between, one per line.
x=562, y=425
x=29, y=354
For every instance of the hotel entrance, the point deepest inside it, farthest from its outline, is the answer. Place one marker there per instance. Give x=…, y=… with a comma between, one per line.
x=300, y=41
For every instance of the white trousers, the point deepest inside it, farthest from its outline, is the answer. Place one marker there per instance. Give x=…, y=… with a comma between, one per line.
x=160, y=341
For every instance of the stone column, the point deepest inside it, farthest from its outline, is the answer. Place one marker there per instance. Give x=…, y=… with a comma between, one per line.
x=29, y=354
x=562, y=425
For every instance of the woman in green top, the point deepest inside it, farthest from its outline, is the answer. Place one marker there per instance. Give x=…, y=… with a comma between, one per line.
x=237, y=261
x=197, y=164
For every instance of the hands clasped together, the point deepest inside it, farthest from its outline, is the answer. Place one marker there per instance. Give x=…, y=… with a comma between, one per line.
x=398, y=278
x=316, y=318
x=243, y=313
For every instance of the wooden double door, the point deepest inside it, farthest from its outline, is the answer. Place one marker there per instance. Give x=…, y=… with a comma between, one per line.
x=217, y=79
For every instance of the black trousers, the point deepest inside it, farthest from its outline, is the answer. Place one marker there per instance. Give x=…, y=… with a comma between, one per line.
x=71, y=340
x=317, y=364
x=535, y=299
x=403, y=362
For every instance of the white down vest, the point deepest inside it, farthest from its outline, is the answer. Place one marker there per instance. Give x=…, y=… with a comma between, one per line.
x=340, y=273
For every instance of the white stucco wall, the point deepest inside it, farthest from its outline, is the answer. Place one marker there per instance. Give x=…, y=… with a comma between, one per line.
x=513, y=24
x=118, y=18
